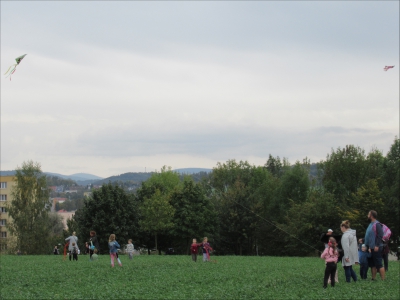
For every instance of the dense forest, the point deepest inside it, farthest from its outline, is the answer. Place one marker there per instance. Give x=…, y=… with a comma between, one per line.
x=274, y=209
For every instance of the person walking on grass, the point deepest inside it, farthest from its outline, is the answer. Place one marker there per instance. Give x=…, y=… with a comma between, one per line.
x=130, y=249
x=72, y=239
x=373, y=240
x=350, y=249
x=331, y=255
x=206, y=249
x=74, y=252
x=194, y=249
x=113, y=246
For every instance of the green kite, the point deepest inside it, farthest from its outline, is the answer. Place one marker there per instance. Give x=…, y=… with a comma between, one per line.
x=12, y=68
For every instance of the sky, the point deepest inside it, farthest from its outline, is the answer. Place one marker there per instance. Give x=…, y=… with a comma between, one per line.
x=113, y=87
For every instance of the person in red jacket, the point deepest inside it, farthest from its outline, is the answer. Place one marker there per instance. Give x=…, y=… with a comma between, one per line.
x=194, y=249
x=206, y=249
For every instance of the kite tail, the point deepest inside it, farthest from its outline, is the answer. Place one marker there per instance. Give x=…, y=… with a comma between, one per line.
x=12, y=70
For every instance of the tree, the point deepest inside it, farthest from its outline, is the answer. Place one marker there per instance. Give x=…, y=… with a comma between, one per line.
x=306, y=221
x=239, y=192
x=343, y=172
x=29, y=209
x=109, y=210
x=194, y=214
x=367, y=197
x=391, y=192
x=274, y=166
x=156, y=214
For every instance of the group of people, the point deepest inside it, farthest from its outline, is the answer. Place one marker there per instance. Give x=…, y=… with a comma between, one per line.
x=205, y=247
x=366, y=252
x=93, y=247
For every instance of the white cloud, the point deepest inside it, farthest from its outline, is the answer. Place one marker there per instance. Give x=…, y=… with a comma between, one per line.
x=79, y=106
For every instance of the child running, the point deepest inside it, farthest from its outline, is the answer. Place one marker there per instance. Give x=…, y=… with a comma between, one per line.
x=129, y=249
x=194, y=249
x=331, y=255
x=113, y=246
x=206, y=249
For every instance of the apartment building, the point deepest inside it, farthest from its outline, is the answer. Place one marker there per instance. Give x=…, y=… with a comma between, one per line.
x=6, y=184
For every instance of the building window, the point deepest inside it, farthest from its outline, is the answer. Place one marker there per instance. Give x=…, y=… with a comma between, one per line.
x=3, y=197
x=3, y=209
x=3, y=222
x=3, y=185
x=3, y=234
x=3, y=246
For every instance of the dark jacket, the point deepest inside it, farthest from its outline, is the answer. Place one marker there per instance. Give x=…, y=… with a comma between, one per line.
x=95, y=242
x=363, y=257
x=325, y=238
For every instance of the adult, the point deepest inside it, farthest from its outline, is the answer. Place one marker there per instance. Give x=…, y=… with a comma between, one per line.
x=72, y=239
x=350, y=250
x=93, y=241
x=326, y=235
x=373, y=240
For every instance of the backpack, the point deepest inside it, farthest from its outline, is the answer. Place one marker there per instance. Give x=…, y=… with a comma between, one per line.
x=386, y=232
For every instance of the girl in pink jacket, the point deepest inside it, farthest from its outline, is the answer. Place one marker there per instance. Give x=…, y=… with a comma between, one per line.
x=331, y=255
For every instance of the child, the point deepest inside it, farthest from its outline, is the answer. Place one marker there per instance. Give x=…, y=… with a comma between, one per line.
x=55, y=251
x=363, y=256
x=113, y=246
x=194, y=249
x=129, y=249
x=331, y=255
x=94, y=255
x=74, y=252
x=206, y=249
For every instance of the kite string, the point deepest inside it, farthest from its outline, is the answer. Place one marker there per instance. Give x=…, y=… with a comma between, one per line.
x=274, y=224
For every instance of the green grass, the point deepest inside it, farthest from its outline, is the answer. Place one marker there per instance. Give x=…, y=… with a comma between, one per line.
x=177, y=277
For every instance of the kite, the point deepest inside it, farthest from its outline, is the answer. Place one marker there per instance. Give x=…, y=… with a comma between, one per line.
x=387, y=68
x=12, y=68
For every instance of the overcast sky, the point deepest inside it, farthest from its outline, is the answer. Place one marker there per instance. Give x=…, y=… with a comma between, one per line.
x=114, y=87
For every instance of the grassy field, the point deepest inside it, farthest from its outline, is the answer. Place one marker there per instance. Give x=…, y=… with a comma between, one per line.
x=177, y=277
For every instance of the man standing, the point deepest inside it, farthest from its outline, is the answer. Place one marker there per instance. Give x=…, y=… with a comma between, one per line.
x=325, y=237
x=373, y=240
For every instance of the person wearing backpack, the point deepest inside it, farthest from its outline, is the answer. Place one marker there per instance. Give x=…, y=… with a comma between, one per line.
x=373, y=240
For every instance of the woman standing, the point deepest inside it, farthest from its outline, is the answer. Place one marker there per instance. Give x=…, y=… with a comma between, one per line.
x=93, y=241
x=72, y=239
x=350, y=249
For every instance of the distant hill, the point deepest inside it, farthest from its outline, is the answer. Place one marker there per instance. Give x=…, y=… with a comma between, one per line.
x=76, y=177
x=192, y=170
x=131, y=176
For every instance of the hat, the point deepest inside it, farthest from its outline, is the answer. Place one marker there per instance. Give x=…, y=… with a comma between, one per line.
x=330, y=230
x=363, y=246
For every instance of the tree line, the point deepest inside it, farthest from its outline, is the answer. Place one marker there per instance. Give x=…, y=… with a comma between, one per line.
x=274, y=209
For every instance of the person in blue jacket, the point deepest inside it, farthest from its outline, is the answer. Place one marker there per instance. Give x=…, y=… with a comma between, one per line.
x=113, y=246
x=363, y=256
